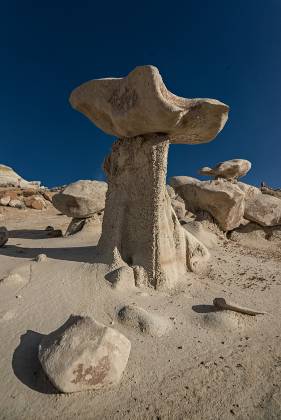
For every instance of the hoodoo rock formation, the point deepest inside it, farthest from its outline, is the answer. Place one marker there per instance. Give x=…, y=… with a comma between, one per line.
x=140, y=227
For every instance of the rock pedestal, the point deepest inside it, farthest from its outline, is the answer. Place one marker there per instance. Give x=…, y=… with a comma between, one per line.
x=139, y=225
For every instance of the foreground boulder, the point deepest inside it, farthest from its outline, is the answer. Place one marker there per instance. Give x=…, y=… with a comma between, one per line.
x=222, y=199
x=4, y=236
x=81, y=199
x=230, y=169
x=84, y=354
x=264, y=209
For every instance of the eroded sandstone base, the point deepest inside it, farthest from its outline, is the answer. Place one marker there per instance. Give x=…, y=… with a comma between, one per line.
x=140, y=228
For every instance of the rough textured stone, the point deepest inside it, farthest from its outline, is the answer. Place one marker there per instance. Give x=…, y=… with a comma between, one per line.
x=4, y=201
x=86, y=225
x=81, y=199
x=41, y=258
x=140, y=227
x=222, y=199
x=230, y=169
x=84, y=354
x=264, y=209
x=16, y=204
x=4, y=236
x=35, y=202
x=140, y=104
x=270, y=191
x=144, y=321
x=122, y=278
x=179, y=207
x=204, y=236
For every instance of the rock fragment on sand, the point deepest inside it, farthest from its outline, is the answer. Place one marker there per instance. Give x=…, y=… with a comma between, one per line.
x=143, y=321
x=84, y=354
x=4, y=235
x=35, y=202
x=41, y=258
x=222, y=304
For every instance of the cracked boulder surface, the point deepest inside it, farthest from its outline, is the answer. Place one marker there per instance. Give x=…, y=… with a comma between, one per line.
x=140, y=228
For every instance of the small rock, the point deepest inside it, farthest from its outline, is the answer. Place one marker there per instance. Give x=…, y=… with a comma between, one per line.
x=35, y=202
x=4, y=236
x=4, y=201
x=16, y=204
x=47, y=195
x=49, y=228
x=84, y=354
x=41, y=258
x=145, y=322
x=56, y=233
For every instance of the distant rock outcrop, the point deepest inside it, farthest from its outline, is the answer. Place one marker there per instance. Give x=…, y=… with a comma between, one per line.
x=9, y=178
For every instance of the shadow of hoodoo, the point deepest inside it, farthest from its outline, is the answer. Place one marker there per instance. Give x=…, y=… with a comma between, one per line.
x=26, y=365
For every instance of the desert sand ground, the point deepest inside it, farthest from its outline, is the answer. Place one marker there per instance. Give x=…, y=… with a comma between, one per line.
x=212, y=365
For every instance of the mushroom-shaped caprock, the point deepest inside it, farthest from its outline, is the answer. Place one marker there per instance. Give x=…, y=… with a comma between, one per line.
x=141, y=104
x=140, y=228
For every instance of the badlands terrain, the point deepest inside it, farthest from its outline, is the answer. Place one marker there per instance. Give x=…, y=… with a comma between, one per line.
x=134, y=299
x=211, y=364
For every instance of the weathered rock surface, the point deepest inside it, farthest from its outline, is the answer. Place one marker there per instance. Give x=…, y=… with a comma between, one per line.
x=140, y=104
x=81, y=199
x=230, y=169
x=144, y=321
x=254, y=234
x=203, y=235
x=249, y=190
x=35, y=202
x=222, y=199
x=179, y=207
x=84, y=354
x=86, y=225
x=16, y=203
x=4, y=201
x=122, y=278
x=264, y=209
x=270, y=191
x=4, y=236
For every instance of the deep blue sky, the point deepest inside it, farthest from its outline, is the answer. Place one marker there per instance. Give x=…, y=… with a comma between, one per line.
x=224, y=49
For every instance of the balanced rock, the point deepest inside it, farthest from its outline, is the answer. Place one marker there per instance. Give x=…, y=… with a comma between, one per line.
x=84, y=354
x=81, y=199
x=230, y=169
x=222, y=199
x=264, y=209
x=140, y=227
x=143, y=321
x=4, y=236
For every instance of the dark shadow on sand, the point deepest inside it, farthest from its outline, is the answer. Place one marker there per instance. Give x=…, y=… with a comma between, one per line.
x=29, y=234
x=26, y=365
x=86, y=254
x=205, y=309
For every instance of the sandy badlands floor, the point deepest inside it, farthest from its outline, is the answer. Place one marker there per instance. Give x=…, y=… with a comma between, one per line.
x=212, y=365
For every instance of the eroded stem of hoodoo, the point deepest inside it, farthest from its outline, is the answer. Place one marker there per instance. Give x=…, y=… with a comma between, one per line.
x=139, y=225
